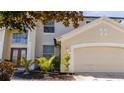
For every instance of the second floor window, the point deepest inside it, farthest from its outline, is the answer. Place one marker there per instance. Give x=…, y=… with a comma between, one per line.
x=19, y=38
x=49, y=27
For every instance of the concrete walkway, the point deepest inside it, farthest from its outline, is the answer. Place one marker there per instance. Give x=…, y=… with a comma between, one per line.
x=99, y=76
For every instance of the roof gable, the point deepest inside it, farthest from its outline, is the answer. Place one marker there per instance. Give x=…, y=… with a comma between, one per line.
x=81, y=29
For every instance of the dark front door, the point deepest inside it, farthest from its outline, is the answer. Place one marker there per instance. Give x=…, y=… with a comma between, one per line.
x=17, y=54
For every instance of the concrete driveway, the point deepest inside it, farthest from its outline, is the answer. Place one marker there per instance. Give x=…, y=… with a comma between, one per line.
x=97, y=76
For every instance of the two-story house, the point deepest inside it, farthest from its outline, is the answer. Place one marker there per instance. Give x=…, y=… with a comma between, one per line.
x=87, y=44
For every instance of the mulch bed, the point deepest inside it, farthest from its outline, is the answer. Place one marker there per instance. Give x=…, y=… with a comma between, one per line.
x=40, y=76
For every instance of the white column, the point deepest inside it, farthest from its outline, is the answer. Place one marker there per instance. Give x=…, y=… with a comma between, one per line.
x=0, y=50
x=2, y=37
x=31, y=44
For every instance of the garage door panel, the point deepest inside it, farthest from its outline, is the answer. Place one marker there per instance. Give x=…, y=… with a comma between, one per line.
x=99, y=59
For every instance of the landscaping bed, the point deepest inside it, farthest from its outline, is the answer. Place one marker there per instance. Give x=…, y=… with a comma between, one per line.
x=41, y=76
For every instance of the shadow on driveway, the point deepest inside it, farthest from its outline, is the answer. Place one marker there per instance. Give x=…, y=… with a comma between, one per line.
x=99, y=75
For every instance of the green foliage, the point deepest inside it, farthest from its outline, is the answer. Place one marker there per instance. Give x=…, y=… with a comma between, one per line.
x=56, y=64
x=45, y=64
x=26, y=19
x=26, y=64
x=6, y=70
x=66, y=62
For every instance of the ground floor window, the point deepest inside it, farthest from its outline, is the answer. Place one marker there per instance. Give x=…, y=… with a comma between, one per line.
x=48, y=50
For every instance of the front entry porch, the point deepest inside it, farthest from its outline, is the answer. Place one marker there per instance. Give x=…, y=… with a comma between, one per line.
x=17, y=45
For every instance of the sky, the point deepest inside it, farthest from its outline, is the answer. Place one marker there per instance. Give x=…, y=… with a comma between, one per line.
x=104, y=13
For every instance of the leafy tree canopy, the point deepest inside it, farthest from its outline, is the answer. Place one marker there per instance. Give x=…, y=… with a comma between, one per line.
x=27, y=19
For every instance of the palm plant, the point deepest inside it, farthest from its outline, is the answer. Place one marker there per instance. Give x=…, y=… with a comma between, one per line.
x=45, y=63
x=66, y=62
x=26, y=64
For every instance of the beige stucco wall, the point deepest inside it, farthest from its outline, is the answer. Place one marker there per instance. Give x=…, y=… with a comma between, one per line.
x=39, y=38
x=93, y=35
x=99, y=59
x=7, y=44
x=47, y=38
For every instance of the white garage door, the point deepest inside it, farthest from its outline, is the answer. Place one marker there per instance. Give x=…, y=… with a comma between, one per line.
x=98, y=59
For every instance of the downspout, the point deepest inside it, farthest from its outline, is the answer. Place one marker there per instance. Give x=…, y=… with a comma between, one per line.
x=57, y=44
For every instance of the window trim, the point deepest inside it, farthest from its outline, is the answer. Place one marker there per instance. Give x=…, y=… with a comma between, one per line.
x=19, y=42
x=48, y=33
x=45, y=25
x=48, y=53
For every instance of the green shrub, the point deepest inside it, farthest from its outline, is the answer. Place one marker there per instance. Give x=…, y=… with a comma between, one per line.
x=26, y=64
x=66, y=62
x=56, y=64
x=6, y=70
x=45, y=63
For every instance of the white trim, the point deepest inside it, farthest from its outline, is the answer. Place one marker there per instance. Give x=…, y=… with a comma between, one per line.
x=89, y=45
x=31, y=44
x=18, y=46
x=98, y=44
x=71, y=67
x=48, y=43
x=53, y=34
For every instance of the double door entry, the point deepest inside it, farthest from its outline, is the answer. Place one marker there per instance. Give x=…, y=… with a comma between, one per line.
x=17, y=54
